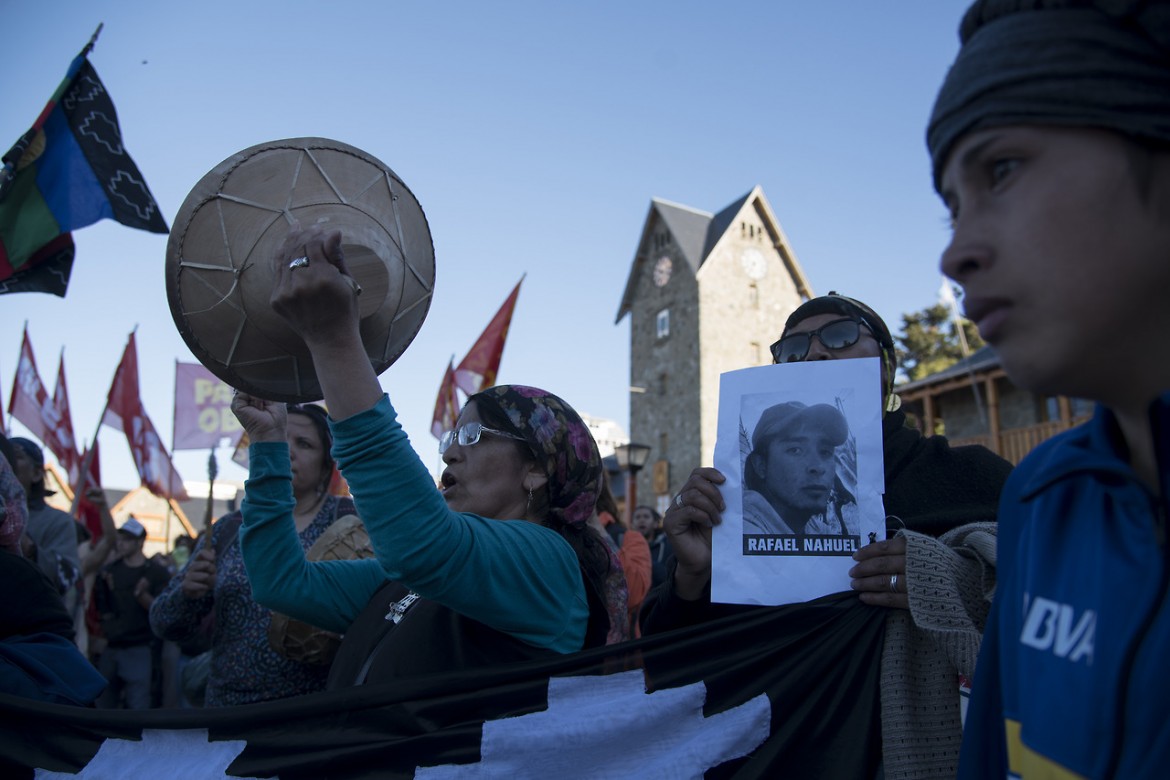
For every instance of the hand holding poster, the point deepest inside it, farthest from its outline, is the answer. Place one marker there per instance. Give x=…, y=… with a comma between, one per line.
x=800, y=445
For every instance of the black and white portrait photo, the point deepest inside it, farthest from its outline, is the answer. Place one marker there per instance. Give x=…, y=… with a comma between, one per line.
x=798, y=479
x=800, y=444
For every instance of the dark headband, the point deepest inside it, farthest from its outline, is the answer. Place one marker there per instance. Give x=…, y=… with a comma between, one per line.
x=1061, y=62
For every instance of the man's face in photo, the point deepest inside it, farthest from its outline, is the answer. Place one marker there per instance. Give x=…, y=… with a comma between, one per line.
x=801, y=468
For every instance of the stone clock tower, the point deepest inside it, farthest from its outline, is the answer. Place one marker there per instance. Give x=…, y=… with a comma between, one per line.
x=706, y=294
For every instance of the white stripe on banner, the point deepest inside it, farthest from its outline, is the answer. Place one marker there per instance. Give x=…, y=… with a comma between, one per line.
x=176, y=755
x=663, y=734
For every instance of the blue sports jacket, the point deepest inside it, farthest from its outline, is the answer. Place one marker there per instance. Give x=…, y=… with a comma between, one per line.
x=1072, y=677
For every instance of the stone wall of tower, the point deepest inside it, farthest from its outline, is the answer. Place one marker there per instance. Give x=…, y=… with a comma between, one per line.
x=721, y=319
x=664, y=399
x=740, y=317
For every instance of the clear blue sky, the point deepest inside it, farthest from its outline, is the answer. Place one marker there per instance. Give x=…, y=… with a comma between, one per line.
x=533, y=133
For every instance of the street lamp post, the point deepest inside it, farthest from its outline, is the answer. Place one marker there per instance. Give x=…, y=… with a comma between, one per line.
x=631, y=457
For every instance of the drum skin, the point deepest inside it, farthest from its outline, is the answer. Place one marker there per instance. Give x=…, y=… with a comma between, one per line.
x=220, y=260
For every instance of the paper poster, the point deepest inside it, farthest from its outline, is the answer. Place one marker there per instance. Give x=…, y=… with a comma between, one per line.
x=801, y=447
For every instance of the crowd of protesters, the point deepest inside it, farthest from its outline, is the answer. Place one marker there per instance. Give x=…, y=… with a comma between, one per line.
x=1059, y=190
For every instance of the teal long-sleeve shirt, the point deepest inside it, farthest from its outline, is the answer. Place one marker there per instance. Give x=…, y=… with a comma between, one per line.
x=518, y=577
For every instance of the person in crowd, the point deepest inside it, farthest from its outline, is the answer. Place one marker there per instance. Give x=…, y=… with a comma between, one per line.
x=183, y=548
x=648, y=523
x=497, y=565
x=210, y=598
x=633, y=553
x=1051, y=150
x=937, y=573
x=790, y=477
x=93, y=556
x=38, y=659
x=123, y=593
x=52, y=533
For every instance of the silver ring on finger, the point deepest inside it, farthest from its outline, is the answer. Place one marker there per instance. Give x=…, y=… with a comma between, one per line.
x=893, y=583
x=678, y=501
x=299, y=262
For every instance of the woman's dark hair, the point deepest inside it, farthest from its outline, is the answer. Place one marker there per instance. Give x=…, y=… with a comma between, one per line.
x=320, y=419
x=605, y=500
x=591, y=552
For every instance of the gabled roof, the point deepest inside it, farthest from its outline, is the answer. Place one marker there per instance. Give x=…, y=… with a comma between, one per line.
x=697, y=232
x=981, y=359
x=689, y=228
x=722, y=221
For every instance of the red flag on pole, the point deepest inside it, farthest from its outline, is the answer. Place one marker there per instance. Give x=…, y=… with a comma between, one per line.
x=30, y=402
x=123, y=402
x=446, y=405
x=478, y=369
x=86, y=511
x=67, y=457
x=124, y=411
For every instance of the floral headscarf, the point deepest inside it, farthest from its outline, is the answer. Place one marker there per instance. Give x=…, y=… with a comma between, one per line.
x=559, y=438
x=15, y=513
x=558, y=435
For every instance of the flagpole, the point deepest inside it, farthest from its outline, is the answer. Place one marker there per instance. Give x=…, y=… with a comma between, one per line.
x=93, y=40
x=948, y=296
x=88, y=459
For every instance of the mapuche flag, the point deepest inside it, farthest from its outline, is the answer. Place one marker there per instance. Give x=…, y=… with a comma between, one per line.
x=787, y=691
x=68, y=171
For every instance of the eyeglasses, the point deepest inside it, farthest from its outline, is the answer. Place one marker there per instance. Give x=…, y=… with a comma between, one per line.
x=469, y=433
x=838, y=334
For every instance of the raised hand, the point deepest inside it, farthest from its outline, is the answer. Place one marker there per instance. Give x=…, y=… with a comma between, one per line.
x=199, y=578
x=695, y=510
x=263, y=420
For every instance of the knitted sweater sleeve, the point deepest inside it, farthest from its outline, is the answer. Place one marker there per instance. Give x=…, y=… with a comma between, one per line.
x=950, y=582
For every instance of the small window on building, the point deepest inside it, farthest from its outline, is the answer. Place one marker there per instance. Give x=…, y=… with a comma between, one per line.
x=663, y=440
x=757, y=354
x=662, y=383
x=663, y=324
x=754, y=295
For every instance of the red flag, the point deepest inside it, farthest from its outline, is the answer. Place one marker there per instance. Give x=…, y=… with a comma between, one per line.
x=446, y=405
x=152, y=459
x=86, y=511
x=124, y=411
x=123, y=401
x=67, y=457
x=478, y=369
x=30, y=403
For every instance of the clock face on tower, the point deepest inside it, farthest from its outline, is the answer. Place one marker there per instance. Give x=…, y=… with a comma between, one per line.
x=662, y=270
x=754, y=263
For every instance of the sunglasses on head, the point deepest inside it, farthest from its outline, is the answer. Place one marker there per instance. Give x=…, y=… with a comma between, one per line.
x=468, y=434
x=838, y=334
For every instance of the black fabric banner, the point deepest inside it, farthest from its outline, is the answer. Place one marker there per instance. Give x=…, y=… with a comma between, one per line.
x=774, y=692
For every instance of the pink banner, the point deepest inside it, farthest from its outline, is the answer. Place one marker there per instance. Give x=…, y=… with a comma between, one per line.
x=203, y=414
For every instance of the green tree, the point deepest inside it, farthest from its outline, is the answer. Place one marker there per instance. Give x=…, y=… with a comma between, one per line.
x=930, y=341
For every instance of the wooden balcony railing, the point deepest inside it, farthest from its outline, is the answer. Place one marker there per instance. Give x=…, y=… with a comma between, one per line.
x=1015, y=443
